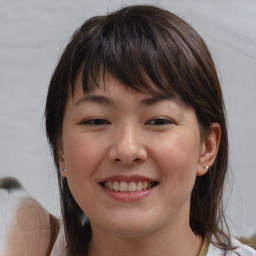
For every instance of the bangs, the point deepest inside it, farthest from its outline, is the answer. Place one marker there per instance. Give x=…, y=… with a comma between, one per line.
x=130, y=51
x=148, y=52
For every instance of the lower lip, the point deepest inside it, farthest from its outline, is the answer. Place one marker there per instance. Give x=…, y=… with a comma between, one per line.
x=127, y=196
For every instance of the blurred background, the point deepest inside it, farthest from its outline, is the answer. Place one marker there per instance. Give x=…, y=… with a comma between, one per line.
x=32, y=36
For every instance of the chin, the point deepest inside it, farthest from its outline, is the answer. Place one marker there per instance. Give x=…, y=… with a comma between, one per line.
x=129, y=228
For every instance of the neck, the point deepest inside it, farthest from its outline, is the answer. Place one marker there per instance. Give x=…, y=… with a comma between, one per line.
x=162, y=242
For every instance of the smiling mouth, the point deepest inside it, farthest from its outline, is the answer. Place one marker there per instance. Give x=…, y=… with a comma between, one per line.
x=132, y=186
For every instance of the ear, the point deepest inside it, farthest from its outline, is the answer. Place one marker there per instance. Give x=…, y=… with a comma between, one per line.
x=61, y=158
x=209, y=149
x=62, y=165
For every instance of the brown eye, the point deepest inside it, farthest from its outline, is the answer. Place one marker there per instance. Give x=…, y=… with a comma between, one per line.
x=160, y=121
x=95, y=121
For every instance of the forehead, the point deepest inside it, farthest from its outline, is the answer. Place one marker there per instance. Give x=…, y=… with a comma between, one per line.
x=108, y=84
x=111, y=92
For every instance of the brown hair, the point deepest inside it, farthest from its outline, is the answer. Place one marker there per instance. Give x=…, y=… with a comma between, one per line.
x=137, y=44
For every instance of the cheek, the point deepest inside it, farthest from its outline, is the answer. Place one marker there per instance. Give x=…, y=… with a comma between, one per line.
x=178, y=157
x=179, y=149
x=80, y=153
x=81, y=162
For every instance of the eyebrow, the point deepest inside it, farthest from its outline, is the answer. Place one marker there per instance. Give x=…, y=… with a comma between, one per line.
x=155, y=99
x=106, y=101
x=95, y=99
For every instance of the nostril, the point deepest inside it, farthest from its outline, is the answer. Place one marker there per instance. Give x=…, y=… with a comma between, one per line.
x=128, y=154
x=127, y=161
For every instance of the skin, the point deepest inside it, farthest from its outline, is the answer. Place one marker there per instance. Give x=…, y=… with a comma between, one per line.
x=125, y=133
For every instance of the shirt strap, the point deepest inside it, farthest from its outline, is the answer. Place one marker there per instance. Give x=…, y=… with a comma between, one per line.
x=204, y=248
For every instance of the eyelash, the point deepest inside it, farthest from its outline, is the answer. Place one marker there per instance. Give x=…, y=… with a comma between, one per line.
x=100, y=121
x=160, y=121
x=95, y=121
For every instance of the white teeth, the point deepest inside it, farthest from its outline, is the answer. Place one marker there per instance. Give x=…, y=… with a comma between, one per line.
x=132, y=186
x=116, y=186
x=139, y=186
x=123, y=186
x=144, y=185
x=110, y=185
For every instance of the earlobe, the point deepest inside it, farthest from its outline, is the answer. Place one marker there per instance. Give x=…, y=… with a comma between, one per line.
x=202, y=170
x=63, y=170
x=209, y=149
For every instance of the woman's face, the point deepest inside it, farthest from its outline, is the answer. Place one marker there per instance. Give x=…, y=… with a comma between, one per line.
x=131, y=158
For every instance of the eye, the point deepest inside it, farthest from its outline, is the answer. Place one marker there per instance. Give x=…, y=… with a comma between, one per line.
x=95, y=121
x=160, y=121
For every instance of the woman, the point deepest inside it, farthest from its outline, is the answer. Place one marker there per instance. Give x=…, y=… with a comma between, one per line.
x=135, y=119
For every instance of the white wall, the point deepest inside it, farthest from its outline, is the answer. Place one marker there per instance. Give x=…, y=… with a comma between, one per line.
x=31, y=36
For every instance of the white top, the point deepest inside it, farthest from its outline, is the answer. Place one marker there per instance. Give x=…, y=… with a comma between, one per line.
x=242, y=250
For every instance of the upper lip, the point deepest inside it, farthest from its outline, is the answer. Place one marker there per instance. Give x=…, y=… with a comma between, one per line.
x=126, y=178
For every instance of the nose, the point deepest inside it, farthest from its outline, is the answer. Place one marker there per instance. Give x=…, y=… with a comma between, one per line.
x=127, y=146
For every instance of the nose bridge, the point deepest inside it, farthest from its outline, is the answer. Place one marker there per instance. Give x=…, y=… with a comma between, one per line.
x=127, y=146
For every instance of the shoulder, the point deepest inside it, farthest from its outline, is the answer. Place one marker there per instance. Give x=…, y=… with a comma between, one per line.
x=242, y=250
